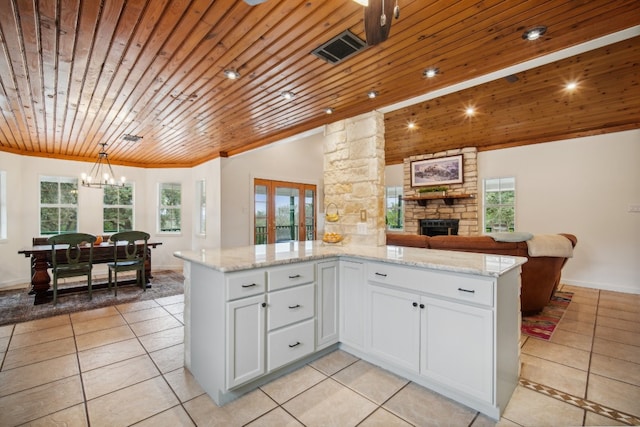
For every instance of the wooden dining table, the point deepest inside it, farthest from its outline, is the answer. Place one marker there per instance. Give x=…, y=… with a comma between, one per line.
x=40, y=256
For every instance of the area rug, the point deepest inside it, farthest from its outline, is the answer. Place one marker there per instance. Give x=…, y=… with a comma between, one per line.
x=16, y=305
x=543, y=324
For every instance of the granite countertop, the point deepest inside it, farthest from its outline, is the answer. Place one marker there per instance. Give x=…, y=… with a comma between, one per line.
x=249, y=257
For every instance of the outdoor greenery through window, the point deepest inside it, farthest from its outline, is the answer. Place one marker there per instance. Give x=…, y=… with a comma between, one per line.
x=118, y=208
x=58, y=205
x=499, y=204
x=169, y=213
x=394, y=208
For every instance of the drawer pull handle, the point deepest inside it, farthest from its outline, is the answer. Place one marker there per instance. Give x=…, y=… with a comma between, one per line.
x=249, y=285
x=296, y=276
x=471, y=291
x=381, y=274
x=294, y=345
x=294, y=306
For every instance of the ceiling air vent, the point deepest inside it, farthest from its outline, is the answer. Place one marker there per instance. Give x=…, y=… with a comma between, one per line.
x=339, y=48
x=132, y=138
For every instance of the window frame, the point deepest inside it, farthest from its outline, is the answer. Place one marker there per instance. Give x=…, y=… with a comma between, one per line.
x=399, y=208
x=161, y=207
x=58, y=180
x=504, y=184
x=201, y=208
x=119, y=206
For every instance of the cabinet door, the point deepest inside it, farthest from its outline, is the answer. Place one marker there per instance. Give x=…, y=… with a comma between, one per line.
x=245, y=340
x=393, y=326
x=352, y=297
x=327, y=304
x=457, y=346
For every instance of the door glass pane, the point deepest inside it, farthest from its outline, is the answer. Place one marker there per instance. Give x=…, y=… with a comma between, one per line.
x=287, y=204
x=260, y=211
x=309, y=214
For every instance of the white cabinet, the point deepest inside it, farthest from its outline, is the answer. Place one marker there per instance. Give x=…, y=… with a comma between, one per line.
x=457, y=346
x=351, y=302
x=439, y=327
x=245, y=339
x=393, y=326
x=327, y=303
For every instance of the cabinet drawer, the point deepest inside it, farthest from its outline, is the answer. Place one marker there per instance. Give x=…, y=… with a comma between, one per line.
x=474, y=289
x=290, y=305
x=240, y=285
x=290, y=275
x=290, y=343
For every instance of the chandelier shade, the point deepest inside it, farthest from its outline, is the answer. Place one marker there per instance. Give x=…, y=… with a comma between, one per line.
x=101, y=174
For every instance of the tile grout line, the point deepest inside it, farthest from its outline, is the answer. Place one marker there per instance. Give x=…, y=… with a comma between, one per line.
x=581, y=403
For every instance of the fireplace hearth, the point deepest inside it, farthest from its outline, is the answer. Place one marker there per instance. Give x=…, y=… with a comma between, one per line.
x=439, y=227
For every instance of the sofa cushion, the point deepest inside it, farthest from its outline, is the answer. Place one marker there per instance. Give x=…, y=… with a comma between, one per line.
x=408, y=239
x=484, y=244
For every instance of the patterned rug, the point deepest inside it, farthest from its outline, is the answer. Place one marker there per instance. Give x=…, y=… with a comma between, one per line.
x=17, y=305
x=544, y=323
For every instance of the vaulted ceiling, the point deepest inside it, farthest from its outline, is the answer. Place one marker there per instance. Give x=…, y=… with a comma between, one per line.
x=77, y=73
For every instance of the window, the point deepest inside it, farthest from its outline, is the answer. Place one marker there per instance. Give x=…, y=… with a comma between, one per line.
x=3, y=205
x=201, y=208
x=58, y=205
x=169, y=212
x=499, y=204
x=394, y=208
x=117, y=208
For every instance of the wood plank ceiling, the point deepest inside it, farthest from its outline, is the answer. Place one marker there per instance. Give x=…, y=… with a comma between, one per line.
x=77, y=73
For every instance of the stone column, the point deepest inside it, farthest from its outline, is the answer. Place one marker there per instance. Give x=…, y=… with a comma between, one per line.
x=354, y=177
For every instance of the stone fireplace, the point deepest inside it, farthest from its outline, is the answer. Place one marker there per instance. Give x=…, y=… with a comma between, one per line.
x=460, y=202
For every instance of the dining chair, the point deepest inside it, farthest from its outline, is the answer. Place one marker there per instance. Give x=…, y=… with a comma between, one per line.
x=72, y=262
x=127, y=257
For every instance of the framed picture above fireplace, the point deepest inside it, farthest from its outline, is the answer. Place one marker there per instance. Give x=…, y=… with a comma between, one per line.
x=442, y=170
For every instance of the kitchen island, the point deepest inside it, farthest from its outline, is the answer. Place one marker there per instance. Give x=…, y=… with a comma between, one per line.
x=446, y=320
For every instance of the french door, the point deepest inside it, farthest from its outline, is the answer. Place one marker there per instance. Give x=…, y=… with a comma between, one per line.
x=283, y=211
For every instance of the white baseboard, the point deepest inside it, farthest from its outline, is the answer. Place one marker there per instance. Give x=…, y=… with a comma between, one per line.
x=601, y=286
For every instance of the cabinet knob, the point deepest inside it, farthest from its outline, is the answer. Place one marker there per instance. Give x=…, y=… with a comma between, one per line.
x=421, y=305
x=264, y=304
x=415, y=304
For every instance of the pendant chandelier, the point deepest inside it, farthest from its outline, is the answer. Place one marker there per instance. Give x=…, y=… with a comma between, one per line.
x=101, y=174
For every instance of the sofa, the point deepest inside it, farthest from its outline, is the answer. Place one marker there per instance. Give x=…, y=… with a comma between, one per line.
x=540, y=274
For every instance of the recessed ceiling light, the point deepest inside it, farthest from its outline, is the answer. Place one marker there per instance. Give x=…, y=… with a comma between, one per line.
x=328, y=110
x=430, y=72
x=231, y=74
x=287, y=95
x=372, y=94
x=534, y=33
x=571, y=86
x=470, y=111
x=411, y=125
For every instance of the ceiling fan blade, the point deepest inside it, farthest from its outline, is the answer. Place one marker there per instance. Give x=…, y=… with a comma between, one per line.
x=374, y=32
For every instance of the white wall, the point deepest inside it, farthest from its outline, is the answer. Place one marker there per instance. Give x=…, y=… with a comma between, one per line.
x=295, y=160
x=581, y=186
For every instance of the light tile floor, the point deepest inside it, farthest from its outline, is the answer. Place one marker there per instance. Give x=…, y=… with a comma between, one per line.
x=122, y=365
